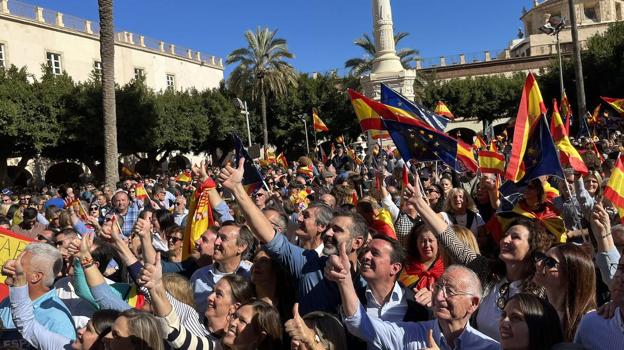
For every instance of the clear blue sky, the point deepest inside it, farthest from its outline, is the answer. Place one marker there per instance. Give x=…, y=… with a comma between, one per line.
x=319, y=32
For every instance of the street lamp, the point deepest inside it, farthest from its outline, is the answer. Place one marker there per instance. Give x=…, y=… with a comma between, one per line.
x=304, y=117
x=243, y=107
x=554, y=25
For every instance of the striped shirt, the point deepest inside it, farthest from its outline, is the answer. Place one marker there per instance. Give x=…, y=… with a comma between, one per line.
x=180, y=338
x=595, y=332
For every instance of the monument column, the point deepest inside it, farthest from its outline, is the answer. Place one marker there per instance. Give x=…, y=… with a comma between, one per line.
x=387, y=67
x=386, y=59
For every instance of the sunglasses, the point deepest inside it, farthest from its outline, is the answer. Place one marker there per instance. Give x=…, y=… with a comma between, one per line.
x=173, y=239
x=545, y=259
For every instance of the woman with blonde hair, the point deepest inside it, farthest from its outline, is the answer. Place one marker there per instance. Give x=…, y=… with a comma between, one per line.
x=136, y=330
x=459, y=209
x=467, y=237
x=179, y=287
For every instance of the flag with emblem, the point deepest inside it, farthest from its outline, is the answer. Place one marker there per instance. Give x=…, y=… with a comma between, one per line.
x=318, y=123
x=184, y=176
x=616, y=103
x=199, y=217
x=442, y=109
x=139, y=191
x=567, y=153
x=407, y=108
x=530, y=112
x=614, y=191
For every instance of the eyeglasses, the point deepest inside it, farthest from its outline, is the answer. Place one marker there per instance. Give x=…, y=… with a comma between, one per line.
x=173, y=239
x=447, y=291
x=548, y=262
x=503, y=295
x=7, y=200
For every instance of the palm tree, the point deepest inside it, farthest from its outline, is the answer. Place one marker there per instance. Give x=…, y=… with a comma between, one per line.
x=360, y=66
x=107, y=55
x=262, y=69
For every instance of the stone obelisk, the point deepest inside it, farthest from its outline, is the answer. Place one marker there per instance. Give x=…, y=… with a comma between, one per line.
x=387, y=67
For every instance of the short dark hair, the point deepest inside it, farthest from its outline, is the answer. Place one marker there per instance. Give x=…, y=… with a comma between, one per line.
x=103, y=253
x=246, y=237
x=358, y=227
x=30, y=213
x=398, y=254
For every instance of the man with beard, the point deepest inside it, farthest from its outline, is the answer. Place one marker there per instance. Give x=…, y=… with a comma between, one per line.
x=303, y=265
x=230, y=249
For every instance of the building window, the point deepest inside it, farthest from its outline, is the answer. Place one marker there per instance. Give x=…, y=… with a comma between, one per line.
x=97, y=69
x=54, y=63
x=2, y=56
x=170, y=81
x=590, y=14
x=139, y=73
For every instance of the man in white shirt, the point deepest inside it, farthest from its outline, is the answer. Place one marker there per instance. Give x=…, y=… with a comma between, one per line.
x=230, y=249
x=179, y=211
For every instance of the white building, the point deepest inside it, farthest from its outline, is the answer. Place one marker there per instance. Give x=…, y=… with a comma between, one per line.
x=32, y=36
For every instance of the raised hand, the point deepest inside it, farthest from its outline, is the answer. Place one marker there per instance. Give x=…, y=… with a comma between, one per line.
x=298, y=330
x=85, y=245
x=143, y=227
x=19, y=279
x=74, y=247
x=423, y=297
x=431, y=344
x=338, y=267
x=151, y=274
x=8, y=269
x=231, y=177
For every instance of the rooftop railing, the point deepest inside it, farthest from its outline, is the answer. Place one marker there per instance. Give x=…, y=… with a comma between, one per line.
x=463, y=58
x=58, y=19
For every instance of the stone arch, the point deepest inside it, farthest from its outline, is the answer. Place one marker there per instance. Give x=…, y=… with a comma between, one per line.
x=64, y=172
x=23, y=179
x=465, y=134
x=178, y=163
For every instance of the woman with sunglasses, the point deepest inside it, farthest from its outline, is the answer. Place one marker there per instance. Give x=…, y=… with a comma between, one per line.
x=175, y=238
x=510, y=274
x=568, y=275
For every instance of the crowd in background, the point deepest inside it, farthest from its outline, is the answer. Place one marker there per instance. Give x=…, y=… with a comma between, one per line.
x=342, y=254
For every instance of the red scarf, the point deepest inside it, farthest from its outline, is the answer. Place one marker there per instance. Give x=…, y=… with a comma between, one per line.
x=417, y=272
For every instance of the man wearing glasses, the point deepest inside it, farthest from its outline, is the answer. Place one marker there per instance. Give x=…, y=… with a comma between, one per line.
x=456, y=296
x=179, y=211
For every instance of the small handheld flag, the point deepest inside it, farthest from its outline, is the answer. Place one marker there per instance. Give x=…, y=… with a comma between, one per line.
x=319, y=126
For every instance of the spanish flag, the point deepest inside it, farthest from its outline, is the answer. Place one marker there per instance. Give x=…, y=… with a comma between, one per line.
x=443, y=110
x=479, y=143
x=491, y=162
x=199, y=216
x=318, y=123
x=566, y=109
x=282, y=161
x=614, y=191
x=567, y=153
x=368, y=118
x=383, y=224
x=184, y=176
x=140, y=192
x=616, y=103
x=594, y=119
x=530, y=111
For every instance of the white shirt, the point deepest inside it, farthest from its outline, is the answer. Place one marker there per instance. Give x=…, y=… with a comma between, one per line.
x=319, y=249
x=393, y=310
x=462, y=220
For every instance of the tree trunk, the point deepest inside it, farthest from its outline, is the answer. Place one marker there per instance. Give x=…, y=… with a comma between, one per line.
x=263, y=106
x=107, y=54
x=4, y=170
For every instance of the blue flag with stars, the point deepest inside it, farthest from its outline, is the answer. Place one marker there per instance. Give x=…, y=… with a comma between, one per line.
x=539, y=159
x=416, y=140
x=394, y=99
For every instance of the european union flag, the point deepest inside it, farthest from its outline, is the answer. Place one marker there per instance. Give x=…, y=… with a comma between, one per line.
x=539, y=159
x=394, y=99
x=416, y=140
x=252, y=179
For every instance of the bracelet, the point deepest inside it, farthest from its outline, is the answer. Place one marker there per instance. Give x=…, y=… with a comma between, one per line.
x=86, y=266
x=86, y=261
x=605, y=236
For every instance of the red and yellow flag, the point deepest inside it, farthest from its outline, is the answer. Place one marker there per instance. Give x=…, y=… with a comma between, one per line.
x=491, y=162
x=443, y=110
x=567, y=153
x=368, y=118
x=566, y=109
x=614, y=191
x=594, y=119
x=199, y=216
x=479, y=143
x=616, y=103
x=318, y=123
x=282, y=161
x=184, y=176
x=530, y=110
x=140, y=192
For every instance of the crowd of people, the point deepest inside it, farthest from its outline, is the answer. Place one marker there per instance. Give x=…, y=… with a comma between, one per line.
x=341, y=254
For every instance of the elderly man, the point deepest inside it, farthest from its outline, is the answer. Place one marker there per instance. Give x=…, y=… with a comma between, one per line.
x=313, y=221
x=456, y=297
x=230, y=249
x=179, y=211
x=33, y=278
